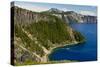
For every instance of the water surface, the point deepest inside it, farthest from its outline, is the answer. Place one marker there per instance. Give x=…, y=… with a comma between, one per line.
x=84, y=52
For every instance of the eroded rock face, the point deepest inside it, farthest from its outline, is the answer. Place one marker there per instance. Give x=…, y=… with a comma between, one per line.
x=26, y=16
x=90, y=19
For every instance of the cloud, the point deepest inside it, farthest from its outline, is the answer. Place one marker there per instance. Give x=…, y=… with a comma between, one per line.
x=88, y=13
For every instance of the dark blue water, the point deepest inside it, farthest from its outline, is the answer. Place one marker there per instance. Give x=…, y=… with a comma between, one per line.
x=84, y=52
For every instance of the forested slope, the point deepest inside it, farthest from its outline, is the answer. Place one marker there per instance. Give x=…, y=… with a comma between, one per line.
x=36, y=34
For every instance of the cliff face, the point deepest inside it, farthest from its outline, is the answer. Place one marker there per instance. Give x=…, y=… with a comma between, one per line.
x=35, y=34
x=77, y=18
x=81, y=18
x=73, y=17
x=89, y=19
x=26, y=16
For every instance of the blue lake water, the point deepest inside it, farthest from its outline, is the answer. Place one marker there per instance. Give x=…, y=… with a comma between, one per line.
x=84, y=52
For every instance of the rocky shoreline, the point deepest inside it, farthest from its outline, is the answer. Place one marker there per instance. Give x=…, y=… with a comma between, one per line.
x=57, y=47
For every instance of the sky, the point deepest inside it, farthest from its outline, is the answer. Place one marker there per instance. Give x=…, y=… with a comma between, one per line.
x=38, y=7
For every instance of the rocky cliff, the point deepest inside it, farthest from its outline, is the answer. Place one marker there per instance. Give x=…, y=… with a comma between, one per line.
x=72, y=17
x=79, y=18
x=37, y=34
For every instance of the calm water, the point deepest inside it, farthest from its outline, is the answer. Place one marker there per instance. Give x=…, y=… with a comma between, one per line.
x=83, y=52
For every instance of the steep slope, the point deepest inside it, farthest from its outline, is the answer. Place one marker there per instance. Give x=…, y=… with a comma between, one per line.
x=37, y=34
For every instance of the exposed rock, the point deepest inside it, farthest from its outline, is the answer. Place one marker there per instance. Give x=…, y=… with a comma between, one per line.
x=71, y=16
